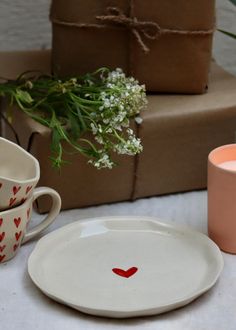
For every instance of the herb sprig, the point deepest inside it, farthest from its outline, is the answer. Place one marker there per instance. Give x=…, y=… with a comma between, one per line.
x=101, y=103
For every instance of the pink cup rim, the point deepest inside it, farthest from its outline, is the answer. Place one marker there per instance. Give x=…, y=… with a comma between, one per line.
x=218, y=149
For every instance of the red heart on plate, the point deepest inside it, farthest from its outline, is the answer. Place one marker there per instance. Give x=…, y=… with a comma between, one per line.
x=2, y=257
x=125, y=273
x=12, y=201
x=15, y=189
x=2, y=247
x=2, y=235
x=18, y=235
x=17, y=222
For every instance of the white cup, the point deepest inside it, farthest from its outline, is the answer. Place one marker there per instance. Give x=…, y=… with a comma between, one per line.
x=19, y=174
x=14, y=223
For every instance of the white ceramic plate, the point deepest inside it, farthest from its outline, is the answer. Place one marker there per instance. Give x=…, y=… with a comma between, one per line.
x=124, y=266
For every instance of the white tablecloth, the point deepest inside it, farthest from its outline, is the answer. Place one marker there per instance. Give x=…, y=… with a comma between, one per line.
x=24, y=307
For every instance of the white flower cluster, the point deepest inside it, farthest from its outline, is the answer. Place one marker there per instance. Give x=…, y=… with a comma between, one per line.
x=103, y=162
x=131, y=95
x=120, y=99
x=131, y=146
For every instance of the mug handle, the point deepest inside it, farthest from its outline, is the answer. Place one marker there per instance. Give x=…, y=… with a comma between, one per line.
x=53, y=213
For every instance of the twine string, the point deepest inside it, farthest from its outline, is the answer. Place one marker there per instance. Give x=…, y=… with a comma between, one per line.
x=141, y=30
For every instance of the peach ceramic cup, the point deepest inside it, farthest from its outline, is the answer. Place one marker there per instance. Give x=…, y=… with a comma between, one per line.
x=14, y=223
x=222, y=197
x=19, y=174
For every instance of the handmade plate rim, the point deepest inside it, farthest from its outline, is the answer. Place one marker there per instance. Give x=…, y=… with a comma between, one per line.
x=94, y=310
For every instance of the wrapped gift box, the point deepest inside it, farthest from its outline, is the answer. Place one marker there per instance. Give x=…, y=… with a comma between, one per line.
x=177, y=132
x=165, y=44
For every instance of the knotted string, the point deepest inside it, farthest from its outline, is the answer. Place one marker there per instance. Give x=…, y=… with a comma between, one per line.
x=140, y=29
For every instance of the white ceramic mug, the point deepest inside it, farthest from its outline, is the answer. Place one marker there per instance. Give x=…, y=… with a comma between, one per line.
x=13, y=223
x=19, y=174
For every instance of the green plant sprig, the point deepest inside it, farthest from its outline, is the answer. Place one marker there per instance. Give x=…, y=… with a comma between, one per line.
x=227, y=33
x=100, y=103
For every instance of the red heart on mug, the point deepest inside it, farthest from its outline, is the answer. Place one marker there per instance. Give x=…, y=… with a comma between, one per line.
x=18, y=235
x=28, y=189
x=28, y=213
x=2, y=247
x=15, y=247
x=12, y=201
x=125, y=273
x=2, y=257
x=15, y=189
x=2, y=235
x=17, y=222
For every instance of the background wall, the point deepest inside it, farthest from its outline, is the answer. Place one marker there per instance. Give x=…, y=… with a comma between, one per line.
x=24, y=25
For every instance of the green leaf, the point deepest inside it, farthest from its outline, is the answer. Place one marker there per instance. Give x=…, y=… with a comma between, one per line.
x=24, y=96
x=56, y=141
x=74, y=126
x=233, y=2
x=83, y=124
x=229, y=34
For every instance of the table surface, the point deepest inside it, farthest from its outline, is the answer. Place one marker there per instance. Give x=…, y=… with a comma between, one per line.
x=24, y=307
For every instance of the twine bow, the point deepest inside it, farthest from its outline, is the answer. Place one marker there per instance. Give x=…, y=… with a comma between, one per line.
x=140, y=29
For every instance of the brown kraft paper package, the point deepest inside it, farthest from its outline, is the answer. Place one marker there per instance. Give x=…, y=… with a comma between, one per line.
x=165, y=44
x=177, y=132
